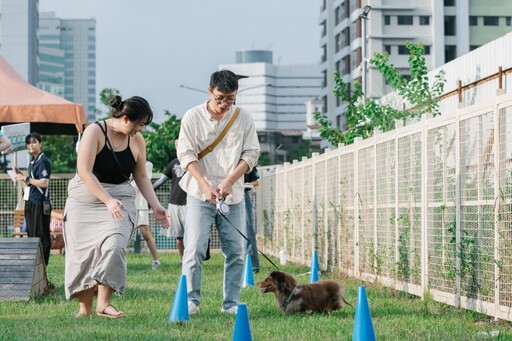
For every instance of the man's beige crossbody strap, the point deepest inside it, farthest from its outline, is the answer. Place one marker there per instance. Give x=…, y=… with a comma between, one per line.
x=220, y=137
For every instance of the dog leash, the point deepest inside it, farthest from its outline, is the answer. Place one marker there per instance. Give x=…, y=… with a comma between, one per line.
x=248, y=241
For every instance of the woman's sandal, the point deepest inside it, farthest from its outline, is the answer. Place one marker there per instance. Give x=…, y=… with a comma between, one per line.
x=103, y=312
x=79, y=315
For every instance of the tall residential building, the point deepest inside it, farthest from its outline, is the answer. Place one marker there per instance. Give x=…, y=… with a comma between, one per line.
x=18, y=36
x=276, y=95
x=51, y=70
x=72, y=41
x=447, y=28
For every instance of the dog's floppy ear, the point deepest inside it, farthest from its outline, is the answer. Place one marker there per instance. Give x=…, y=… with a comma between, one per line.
x=285, y=281
x=281, y=283
x=273, y=276
x=277, y=278
x=290, y=281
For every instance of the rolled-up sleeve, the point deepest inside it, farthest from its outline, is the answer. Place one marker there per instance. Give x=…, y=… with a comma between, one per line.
x=251, y=147
x=186, y=143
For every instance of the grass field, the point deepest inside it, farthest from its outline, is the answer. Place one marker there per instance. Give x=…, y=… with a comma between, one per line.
x=150, y=294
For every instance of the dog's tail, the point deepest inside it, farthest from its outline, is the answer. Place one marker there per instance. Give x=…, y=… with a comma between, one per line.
x=345, y=301
x=342, y=292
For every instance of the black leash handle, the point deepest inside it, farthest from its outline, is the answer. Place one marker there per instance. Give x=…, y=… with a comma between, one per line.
x=248, y=241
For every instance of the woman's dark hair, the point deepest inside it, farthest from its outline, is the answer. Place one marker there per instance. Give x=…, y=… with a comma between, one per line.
x=136, y=108
x=33, y=135
x=224, y=80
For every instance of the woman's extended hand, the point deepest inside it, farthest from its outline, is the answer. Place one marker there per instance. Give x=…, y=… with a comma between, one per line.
x=161, y=216
x=116, y=208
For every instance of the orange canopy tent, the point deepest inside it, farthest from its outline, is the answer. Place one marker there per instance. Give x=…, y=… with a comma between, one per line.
x=48, y=114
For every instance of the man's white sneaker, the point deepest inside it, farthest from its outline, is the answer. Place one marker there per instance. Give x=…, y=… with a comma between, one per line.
x=231, y=310
x=192, y=308
x=155, y=265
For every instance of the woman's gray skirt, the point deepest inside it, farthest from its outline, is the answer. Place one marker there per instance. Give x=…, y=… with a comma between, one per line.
x=96, y=244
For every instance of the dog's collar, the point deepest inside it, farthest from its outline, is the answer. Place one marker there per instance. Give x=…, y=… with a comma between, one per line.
x=289, y=299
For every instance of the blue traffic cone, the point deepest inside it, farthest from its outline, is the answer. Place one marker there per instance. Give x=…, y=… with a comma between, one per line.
x=242, y=328
x=315, y=257
x=248, y=275
x=179, y=311
x=363, y=325
x=315, y=268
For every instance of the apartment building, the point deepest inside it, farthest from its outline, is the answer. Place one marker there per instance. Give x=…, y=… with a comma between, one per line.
x=447, y=28
x=18, y=36
x=72, y=41
x=276, y=95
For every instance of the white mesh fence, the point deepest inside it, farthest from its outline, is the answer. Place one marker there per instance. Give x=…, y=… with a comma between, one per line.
x=58, y=192
x=424, y=208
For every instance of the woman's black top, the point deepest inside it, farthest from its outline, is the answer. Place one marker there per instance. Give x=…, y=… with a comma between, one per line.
x=107, y=169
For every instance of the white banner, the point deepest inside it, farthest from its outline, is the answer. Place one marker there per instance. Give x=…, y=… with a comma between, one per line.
x=16, y=133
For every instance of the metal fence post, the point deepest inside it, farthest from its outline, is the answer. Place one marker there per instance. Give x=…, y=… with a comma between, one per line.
x=357, y=273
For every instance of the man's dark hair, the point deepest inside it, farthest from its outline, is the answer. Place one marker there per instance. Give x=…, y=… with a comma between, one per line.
x=224, y=80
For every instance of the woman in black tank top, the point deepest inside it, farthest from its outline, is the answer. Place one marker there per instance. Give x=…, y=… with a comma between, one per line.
x=100, y=209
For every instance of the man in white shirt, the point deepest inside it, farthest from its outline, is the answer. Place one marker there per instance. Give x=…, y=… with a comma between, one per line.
x=216, y=176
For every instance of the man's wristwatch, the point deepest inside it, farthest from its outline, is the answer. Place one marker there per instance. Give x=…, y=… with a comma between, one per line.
x=27, y=179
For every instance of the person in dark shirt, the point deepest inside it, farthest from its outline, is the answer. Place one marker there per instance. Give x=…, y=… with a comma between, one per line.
x=37, y=180
x=143, y=220
x=177, y=200
x=250, y=182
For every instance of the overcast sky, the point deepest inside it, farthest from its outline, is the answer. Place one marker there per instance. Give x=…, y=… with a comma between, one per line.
x=150, y=47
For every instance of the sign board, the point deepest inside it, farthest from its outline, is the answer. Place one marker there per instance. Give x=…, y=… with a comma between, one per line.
x=16, y=134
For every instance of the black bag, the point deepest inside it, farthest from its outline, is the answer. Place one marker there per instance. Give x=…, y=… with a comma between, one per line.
x=47, y=206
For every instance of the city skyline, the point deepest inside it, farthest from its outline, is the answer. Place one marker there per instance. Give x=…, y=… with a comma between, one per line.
x=149, y=50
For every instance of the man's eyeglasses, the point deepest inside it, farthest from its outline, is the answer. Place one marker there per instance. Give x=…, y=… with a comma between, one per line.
x=220, y=100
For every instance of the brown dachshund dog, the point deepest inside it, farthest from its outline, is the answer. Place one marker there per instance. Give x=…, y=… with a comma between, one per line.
x=322, y=296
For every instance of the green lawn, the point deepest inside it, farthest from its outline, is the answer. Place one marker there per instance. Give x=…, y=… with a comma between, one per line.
x=150, y=295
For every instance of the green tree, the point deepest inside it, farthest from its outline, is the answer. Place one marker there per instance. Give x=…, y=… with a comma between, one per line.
x=105, y=96
x=61, y=152
x=159, y=138
x=363, y=118
x=264, y=160
x=416, y=91
x=303, y=148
